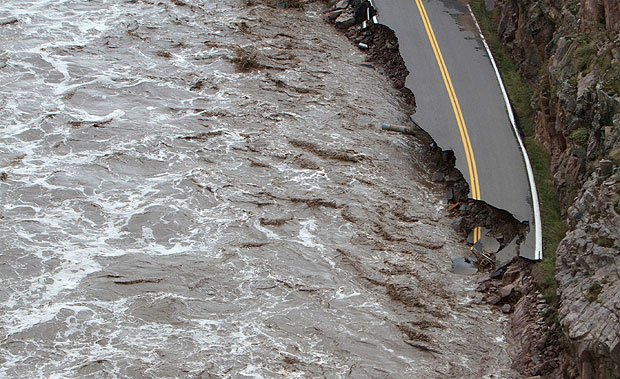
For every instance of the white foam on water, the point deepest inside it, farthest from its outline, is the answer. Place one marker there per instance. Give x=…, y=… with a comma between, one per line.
x=122, y=238
x=42, y=293
x=306, y=235
x=341, y=294
x=310, y=180
x=268, y=233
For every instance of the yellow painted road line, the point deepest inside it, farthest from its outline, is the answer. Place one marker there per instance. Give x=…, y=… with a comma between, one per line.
x=456, y=107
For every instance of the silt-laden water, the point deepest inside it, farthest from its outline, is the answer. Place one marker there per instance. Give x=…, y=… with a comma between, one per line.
x=199, y=189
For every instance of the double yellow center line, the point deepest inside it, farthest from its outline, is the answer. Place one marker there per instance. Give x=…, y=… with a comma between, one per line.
x=456, y=108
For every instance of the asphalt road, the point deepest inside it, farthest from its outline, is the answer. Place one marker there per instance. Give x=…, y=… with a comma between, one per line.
x=461, y=105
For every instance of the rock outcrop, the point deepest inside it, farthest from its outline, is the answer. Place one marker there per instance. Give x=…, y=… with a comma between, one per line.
x=570, y=51
x=588, y=274
x=535, y=348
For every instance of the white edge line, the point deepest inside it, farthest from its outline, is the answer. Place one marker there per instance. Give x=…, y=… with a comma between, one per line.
x=528, y=165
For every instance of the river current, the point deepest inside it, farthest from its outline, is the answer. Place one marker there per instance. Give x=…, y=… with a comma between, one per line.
x=199, y=189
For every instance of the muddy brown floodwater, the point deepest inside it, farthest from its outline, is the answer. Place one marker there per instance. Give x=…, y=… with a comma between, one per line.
x=201, y=189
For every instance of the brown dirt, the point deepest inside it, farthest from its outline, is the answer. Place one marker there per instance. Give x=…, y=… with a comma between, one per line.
x=384, y=53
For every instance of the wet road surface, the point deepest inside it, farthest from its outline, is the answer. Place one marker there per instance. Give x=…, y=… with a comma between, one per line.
x=484, y=142
x=199, y=189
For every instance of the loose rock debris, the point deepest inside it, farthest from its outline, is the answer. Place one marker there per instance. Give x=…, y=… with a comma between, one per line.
x=240, y=244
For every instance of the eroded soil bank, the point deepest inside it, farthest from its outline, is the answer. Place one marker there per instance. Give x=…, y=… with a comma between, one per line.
x=535, y=343
x=201, y=189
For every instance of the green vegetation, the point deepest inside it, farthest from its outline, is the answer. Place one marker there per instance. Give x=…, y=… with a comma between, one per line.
x=604, y=242
x=587, y=58
x=520, y=93
x=593, y=292
x=584, y=56
x=581, y=136
x=611, y=72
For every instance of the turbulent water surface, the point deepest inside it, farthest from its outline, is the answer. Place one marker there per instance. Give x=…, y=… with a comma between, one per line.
x=200, y=189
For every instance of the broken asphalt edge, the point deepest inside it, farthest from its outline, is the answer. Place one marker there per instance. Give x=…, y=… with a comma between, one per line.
x=538, y=255
x=369, y=20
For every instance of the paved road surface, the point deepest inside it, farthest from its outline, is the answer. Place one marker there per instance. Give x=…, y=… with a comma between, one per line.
x=461, y=105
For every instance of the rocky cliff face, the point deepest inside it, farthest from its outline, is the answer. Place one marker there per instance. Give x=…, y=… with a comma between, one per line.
x=588, y=274
x=570, y=50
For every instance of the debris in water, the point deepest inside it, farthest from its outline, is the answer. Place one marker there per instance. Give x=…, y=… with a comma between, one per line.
x=398, y=128
x=8, y=21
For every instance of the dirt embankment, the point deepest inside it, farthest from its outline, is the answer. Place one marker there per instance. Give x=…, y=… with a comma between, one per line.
x=382, y=47
x=535, y=342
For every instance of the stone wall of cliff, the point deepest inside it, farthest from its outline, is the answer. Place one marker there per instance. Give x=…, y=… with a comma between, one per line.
x=569, y=50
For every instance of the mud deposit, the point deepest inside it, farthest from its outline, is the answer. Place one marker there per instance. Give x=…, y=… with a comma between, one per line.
x=201, y=189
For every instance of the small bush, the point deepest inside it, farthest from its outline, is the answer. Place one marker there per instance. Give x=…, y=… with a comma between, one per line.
x=581, y=136
x=593, y=293
x=604, y=242
x=584, y=56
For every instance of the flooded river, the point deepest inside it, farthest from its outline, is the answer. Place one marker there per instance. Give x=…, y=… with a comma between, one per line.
x=199, y=189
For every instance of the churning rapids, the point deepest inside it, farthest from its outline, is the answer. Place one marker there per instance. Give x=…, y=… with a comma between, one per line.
x=200, y=189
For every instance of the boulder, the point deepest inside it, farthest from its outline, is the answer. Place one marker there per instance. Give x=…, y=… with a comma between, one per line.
x=506, y=291
x=342, y=4
x=345, y=20
x=332, y=16
x=506, y=308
